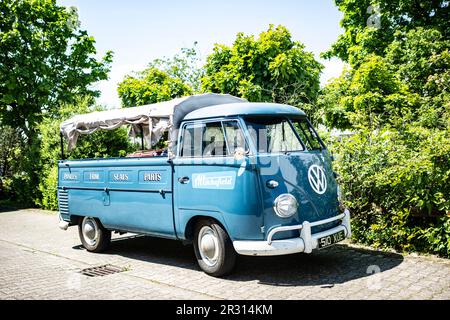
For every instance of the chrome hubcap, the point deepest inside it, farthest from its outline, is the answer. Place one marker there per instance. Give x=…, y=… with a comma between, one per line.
x=208, y=245
x=90, y=231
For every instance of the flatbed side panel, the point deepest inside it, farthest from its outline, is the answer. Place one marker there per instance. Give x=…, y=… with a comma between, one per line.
x=125, y=194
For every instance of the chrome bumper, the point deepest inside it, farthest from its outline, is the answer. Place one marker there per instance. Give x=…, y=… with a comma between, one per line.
x=306, y=243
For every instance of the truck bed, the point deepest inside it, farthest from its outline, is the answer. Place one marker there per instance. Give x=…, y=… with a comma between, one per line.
x=124, y=193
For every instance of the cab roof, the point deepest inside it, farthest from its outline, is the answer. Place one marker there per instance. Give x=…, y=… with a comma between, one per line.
x=244, y=109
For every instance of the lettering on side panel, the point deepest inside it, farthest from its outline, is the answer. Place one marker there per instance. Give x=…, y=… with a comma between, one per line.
x=93, y=176
x=214, y=180
x=120, y=176
x=67, y=176
x=152, y=177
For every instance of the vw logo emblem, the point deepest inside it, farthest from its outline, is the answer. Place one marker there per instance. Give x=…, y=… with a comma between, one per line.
x=317, y=179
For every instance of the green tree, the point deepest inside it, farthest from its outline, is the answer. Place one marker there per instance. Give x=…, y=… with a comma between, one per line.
x=10, y=149
x=45, y=60
x=370, y=25
x=100, y=144
x=164, y=79
x=409, y=84
x=271, y=68
x=185, y=66
x=150, y=86
x=421, y=57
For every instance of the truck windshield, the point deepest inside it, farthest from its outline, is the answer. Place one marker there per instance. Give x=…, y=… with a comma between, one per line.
x=307, y=134
x=279, y=134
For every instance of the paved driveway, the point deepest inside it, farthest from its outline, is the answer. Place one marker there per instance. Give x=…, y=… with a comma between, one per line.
x=39, y=261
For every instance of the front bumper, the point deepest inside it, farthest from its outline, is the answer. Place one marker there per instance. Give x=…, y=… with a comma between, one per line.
x=305, y=243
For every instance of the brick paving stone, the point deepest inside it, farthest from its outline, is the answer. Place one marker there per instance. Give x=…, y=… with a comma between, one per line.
x=39, y=261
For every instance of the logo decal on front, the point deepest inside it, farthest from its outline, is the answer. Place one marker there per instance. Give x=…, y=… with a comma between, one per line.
x=214, y=180
x=317, y=179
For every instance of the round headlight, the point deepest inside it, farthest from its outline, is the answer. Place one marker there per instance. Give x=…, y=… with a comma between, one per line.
x=285, y=205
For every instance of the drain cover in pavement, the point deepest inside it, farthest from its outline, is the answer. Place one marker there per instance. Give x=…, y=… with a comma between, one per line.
x=101, y=271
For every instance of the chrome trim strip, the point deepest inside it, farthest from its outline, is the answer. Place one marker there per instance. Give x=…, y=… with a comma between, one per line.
x=114, y=189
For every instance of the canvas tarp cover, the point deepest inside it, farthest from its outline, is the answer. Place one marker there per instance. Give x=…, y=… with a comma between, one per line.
x=154, y=119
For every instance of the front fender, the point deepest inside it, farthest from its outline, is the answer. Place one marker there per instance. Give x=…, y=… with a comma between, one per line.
x=238, y=226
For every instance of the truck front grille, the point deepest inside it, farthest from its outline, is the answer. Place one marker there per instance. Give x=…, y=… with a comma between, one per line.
x=63, y=201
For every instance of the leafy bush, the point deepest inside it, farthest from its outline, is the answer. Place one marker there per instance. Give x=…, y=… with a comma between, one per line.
x=397, y=184
x=394, y=95
x=48, y=188
x=101, y=144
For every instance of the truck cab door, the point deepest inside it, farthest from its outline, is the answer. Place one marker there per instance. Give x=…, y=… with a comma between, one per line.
x=210, y=181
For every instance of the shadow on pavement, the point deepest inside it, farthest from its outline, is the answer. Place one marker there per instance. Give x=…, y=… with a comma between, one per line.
x=338, y=264
x=7, y=208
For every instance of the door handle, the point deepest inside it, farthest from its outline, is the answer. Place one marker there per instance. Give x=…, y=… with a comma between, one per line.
x=183, y=180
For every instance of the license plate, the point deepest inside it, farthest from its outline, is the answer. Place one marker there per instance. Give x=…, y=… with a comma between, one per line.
x=331, y=239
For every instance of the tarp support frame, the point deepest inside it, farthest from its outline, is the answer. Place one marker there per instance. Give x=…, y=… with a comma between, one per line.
x=142, y=137
x=62, y=145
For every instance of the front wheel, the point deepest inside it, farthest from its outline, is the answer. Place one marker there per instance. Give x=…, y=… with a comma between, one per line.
x=93, y=236
x=213, y=248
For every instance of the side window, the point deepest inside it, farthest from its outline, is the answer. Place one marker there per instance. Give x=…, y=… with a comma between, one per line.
x=203, y=140
x=214, y=140
x=192, y=138
x=234, y=137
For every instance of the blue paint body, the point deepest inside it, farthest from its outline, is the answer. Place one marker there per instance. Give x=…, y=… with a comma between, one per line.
x=143, y=195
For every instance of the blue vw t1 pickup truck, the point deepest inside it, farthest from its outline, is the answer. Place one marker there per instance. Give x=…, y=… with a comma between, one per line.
x=236, y=178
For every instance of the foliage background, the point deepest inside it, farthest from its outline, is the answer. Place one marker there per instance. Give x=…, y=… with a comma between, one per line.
x=46, y=60
x=100, y=144
x=394, y=97
x=270, y=68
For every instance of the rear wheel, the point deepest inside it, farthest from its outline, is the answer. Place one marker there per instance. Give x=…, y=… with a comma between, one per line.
x=213, y=248
x=93, y=236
